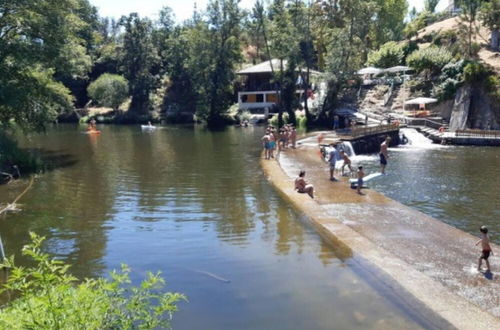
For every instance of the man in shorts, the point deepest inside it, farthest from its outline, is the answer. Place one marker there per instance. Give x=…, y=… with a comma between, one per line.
x=384, y=155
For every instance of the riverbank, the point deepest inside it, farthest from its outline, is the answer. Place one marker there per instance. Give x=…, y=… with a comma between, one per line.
x=434, y=262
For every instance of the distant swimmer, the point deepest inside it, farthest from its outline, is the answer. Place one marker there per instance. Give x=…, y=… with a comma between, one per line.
x=384, y=155
x=347, y=161
x=361, y=175
x=486, y=248
x=302, y=186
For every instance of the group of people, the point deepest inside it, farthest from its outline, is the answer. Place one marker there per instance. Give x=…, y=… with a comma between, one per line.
x=278, y=140
x=334, y=155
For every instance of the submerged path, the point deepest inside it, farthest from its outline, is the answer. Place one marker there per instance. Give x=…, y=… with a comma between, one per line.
x=433, y=261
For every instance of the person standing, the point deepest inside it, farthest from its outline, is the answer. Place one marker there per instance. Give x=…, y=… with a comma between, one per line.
x=335, y=122
x=361, y=175
x=333, y=155
x=384, y=154
x=486, y=248
x=266, y=143
x=293, y=137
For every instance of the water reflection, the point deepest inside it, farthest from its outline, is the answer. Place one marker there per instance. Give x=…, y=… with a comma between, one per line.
x=190, y=202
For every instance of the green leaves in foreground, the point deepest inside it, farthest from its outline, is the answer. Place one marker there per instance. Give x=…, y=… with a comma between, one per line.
x=50, y=298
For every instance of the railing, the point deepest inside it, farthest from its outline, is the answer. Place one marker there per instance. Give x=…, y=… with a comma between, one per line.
x=477, y=133
x=425, y=122
x=358, y=131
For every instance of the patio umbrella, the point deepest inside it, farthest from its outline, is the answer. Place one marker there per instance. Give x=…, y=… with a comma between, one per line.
x=421, y=100
x=370, y=70
x=399, y=68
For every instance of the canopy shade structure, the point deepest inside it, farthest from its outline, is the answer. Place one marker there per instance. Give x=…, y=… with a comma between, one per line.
x=370, y=70
x=399, y=68
x=421, y=100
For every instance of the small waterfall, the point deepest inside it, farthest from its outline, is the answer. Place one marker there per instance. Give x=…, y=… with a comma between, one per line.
x=415, y=138
x=348, y=149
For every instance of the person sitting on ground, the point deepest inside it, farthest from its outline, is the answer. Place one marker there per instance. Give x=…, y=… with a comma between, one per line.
x=302, y=186
x=347, y=161
x=361, y=175
x=486, y=249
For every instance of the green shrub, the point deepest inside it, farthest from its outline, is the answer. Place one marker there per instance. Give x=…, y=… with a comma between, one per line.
x=476, y=73
x=50, y=298
x=389, y=54
x=450, y=80
x=430, y=58
x=109, y=90
x=11, y=154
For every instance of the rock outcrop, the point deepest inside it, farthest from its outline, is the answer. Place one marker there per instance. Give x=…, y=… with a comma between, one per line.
x=460, y=112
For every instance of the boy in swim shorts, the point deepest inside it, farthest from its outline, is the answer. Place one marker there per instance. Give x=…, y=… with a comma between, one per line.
x=361, y=175
x=486, y=248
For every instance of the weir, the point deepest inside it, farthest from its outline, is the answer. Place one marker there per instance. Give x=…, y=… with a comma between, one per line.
x=433, y=261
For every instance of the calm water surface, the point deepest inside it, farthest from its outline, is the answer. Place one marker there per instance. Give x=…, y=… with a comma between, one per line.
x=195, y=205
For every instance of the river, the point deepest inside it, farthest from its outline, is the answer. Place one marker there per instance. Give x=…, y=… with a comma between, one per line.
x=195, y=205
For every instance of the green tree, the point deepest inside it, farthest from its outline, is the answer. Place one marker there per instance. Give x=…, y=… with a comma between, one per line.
x=467, y=25
x=48, y=297
x=432, y=59
x=490, y=16
x=38, y=39
x=224, y=17
x=389, y=54
x=430, y=5
x=139, y=59
x=109, y=90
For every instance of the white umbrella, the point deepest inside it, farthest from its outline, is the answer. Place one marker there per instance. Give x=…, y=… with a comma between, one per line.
x=421, y=100
x=370, y=70
x=399, y=68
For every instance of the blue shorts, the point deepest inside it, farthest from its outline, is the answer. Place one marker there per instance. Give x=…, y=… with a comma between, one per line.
x=383, y=161
x=360, y=183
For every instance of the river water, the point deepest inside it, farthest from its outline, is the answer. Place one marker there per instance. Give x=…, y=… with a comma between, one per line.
x=195, y=205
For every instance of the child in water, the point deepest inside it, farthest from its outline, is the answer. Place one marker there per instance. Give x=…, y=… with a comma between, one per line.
x=486, y=248
x=361, y=175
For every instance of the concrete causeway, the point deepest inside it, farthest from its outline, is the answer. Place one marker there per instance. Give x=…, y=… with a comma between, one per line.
x=434, y=262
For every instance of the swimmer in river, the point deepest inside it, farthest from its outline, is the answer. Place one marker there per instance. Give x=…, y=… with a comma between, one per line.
x=486, y=249
x=347, y=161
x=302, y=186
x=384, y=155
x=361, y=175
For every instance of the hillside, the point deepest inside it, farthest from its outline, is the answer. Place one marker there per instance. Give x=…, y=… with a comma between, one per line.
x=489, y=57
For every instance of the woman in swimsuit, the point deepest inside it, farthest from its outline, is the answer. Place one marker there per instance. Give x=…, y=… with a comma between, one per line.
x=301, y=185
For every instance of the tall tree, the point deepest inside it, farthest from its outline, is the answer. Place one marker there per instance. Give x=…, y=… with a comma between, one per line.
x=467, y=24
x=224, y=18
x=36, y=39
x=430, y=5
x=490, y=16
x=139, y=57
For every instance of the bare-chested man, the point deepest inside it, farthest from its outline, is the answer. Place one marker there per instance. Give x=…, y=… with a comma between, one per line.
x=301, y=185
x=384, y=155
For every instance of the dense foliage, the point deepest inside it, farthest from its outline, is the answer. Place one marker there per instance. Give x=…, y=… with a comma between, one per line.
x=50, y=51
x=51, y=298
x=109, y=90
x=432, y=59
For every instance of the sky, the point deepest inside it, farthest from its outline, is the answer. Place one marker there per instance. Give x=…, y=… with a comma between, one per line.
x=183, y=9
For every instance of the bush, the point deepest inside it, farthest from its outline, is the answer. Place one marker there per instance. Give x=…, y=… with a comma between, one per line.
x=50, y=298
x=11, y=155
x=476, y=73
x=430, y=58
x=388, y=55
x=109, y=90
x=450, y=80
